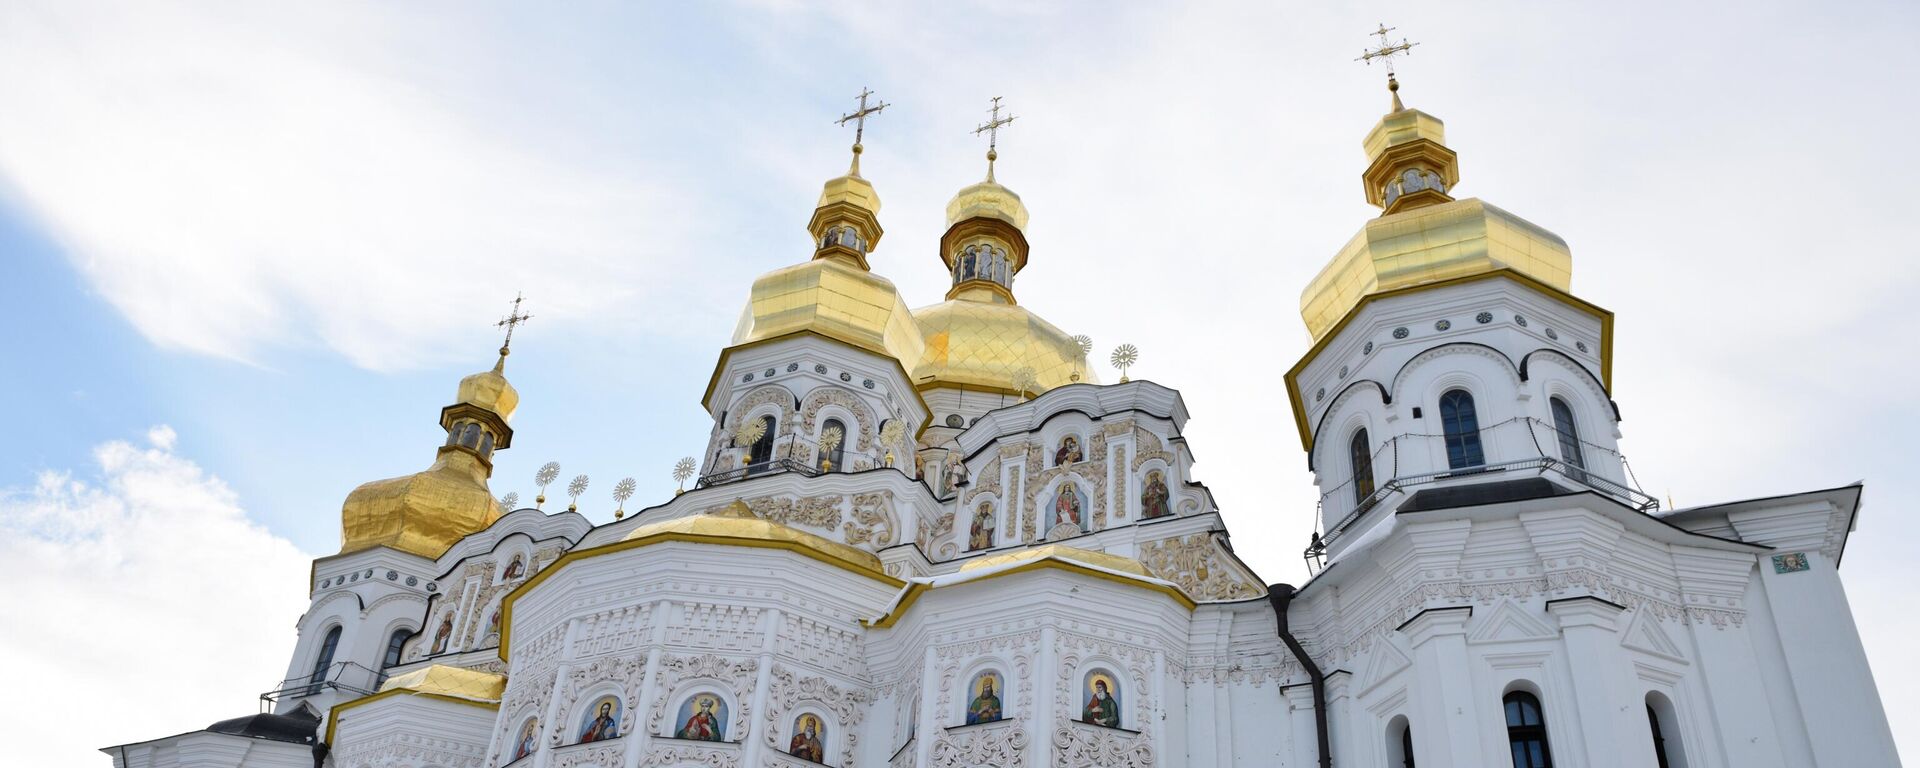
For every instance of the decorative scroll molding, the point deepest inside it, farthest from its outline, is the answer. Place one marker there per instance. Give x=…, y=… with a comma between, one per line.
x=874, y=525
x=845, y=706
x=825, y=396
x=735, y=675
x=1198, y=566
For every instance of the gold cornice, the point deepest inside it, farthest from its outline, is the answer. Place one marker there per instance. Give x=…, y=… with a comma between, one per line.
x=1605, y=317
x=713, y=382
x=333, y=714
x=796, y=547
x=919, y=588
x=1005, y=293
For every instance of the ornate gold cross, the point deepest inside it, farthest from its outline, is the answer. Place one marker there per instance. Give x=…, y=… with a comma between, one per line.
x=992, y=126
x=1387, y=50
x=512, y=319
x=859, y=116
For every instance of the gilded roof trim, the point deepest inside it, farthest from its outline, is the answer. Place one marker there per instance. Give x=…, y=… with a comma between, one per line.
x=918, y=588
x=333, y=715
x=1298, y=402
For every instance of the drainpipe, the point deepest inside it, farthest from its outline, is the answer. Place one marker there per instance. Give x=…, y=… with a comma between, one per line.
x=1281, y=595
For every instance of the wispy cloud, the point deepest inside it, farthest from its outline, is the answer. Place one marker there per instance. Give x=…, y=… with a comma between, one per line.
x=142, y=575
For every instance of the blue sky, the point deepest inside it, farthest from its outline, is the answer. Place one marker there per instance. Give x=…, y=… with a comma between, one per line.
x=284, y=233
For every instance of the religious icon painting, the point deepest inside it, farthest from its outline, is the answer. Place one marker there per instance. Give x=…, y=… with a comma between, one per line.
x=1154, y=496
x=703, y=717
x=1069, y=507
x=442, y=635
x=1103, y=699
x=516, y=568
x=1068, y=452
x=602, y=720
x=980, y=533
x=493, y=627
x=983, y=705
x=529, y=736
x=809, y=739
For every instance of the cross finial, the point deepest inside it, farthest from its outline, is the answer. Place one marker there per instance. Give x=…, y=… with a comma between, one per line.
x=992, y=129
x=859, y=120
x=512, y=319
x=1385, y=53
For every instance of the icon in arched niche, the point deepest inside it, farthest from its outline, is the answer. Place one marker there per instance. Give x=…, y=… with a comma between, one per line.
x=1154, y=496
x=515, y=568
x=809, y=739
x=442, y=635
x=1069, y=508
x=703, y=717
x=1103, y=699
x=980, y=534
x=529, y=735
x=602, y=720
x=1068, y=452
x=984, y=707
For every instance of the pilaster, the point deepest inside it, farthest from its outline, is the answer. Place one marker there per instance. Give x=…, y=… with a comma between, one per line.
x=1442, y=692
x=1589, y=628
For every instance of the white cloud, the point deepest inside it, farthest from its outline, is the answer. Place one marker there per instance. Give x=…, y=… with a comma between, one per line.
x=244, y=178
x=140, y=601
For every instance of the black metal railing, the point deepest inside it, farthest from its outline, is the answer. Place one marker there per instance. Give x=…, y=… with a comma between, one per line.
x=342, y=676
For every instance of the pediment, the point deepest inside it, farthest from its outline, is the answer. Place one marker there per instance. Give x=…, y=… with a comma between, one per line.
x=1510, y=622
x=1645, y=634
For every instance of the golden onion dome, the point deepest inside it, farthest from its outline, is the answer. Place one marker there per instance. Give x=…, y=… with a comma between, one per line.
x=490, y=390
x=1102, y=560
x=987, y=199
x=423, y=513
x=833, y=298
x=736, y=523
x=984, y=345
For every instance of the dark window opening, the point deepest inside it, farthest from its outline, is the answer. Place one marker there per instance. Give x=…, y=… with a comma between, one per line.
x=1461, y=424
x=323, y=662
x=1358, y=451
x=1568, y=433
x=1527, y=731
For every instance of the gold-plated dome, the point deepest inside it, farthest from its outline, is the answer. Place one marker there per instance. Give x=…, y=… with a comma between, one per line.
x=987, y=199
x=736, y=523
x=445, y=680
x=422, y=513
x=835, y=299
x=1117, y=563
x=983, y=345
x=1429, y=244
x=491, y=390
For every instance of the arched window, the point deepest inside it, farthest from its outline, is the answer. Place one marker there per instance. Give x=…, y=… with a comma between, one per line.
x=394, y=643
x=1569, y=434
x=1406, y=747
x=1527, y=731
x=486, y=444
x=1361, y=453
x=323, y=662
x=1662, y=719
x=839, y=453
x=762, y=451
x=1462, y=427
x=470, y=437
x=1400, y=743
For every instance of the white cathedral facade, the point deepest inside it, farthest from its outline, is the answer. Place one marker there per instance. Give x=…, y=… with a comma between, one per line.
x=930, y=537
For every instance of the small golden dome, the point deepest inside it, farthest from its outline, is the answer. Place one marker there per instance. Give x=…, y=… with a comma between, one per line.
x=491, y=390
x=1102, y=560
x=737, y=523
x=850, y=189
x=423, y=513
x=983, y=345
x=835, y=299
x=987, y=199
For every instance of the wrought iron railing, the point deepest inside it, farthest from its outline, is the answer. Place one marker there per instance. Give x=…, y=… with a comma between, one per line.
x=343, y=676
x=1541, y=459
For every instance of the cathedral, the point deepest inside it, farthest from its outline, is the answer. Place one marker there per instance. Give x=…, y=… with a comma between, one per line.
x=934, y=537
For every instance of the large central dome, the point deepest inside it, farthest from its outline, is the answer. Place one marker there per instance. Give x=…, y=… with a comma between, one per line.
x=983, y=345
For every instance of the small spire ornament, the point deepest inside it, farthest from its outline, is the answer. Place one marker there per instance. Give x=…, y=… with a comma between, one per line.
x=513, y=319
x=510, y=501
x=829, y=440
x=859, y=120
x=574, y=489
x=682, y=470
x=1025, y=381
x=543, y=478
x=1385, y=53
x=750, y=432
x=1124, y=356
x=890, y=436
x=622, y=491
x=992, y=129
x=1085, y=344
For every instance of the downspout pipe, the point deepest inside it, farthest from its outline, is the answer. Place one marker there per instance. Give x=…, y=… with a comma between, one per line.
x=1281, y=596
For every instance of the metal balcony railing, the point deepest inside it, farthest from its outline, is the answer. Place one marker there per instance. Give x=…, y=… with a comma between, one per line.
x=1540, y=450
x=342, y=676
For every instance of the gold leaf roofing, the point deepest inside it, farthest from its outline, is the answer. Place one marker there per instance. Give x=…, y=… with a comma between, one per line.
x=450, y=681
x=738, y=523
x=834, y=299
x=1119, y=563
x=423, y=513
x=983, y=345
x=1449, y=240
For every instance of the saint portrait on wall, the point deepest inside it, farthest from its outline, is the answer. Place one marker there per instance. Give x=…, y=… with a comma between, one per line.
x=1103, y=700
x=529, y=733
x=442, y=635
x=603, y=720
x=985, y=705
x=1067, y=507
x=702, y=718
x=980, y=534
x=493, y=628
x=1154, y=496
x=808, y=737
x=1068, y=452
x=515, y=569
